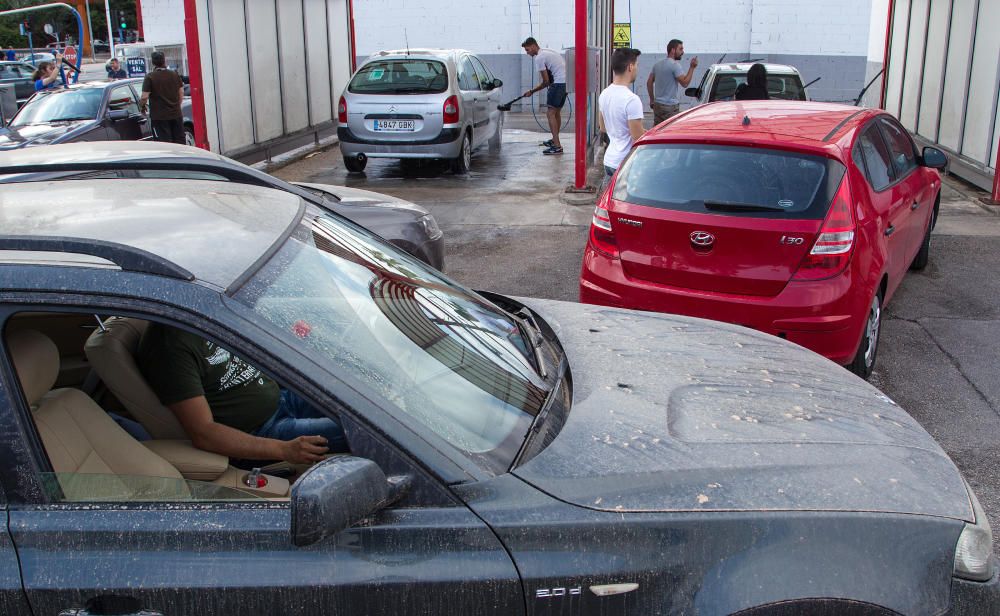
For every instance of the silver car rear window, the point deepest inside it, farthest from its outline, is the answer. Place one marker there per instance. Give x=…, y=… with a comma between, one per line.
x=405, y=76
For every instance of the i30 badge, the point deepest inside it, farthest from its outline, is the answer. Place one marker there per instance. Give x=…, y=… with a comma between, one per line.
x=702, y=239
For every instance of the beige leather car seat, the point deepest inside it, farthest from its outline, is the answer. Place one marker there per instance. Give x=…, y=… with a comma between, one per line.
x=78, y=435
x=111, y=353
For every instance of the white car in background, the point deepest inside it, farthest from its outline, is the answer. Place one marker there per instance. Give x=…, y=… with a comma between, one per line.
x=419, y=103
x=721, y=80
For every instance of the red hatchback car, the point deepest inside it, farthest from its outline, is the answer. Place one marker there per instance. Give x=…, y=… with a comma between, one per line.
x=797, y=219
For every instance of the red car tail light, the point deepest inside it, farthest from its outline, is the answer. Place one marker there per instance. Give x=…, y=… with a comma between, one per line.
x=602, y=236
x=451, y=110
x=342, y=111
x=832, y=250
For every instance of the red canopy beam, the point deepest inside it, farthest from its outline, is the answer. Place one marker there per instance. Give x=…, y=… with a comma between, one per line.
x=580, y=93
x=194, y=73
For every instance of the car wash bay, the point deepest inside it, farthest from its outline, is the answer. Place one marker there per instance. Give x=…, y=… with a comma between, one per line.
x=508, y=230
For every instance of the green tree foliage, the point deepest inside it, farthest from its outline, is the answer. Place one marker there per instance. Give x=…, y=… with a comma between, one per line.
x=62, y=21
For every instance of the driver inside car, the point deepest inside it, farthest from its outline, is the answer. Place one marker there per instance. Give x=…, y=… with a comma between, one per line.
x=228, y=406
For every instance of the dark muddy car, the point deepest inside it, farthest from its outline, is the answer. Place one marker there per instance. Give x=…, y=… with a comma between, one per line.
x=507, y=456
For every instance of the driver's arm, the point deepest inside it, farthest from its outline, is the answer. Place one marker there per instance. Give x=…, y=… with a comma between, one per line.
x=195, y=416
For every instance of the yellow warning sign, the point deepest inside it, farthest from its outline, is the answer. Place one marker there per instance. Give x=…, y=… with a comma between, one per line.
x=621, y=35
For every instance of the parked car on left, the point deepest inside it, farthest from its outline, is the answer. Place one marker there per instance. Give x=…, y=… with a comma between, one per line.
x=19, y=74
x=406, y=225
x=94, y=111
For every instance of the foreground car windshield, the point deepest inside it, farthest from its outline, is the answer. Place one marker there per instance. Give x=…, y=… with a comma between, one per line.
x=446, y=357
x=400, y=77
x=58, y=106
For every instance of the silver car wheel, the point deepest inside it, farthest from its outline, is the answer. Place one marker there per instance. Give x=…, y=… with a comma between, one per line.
x=872, y=330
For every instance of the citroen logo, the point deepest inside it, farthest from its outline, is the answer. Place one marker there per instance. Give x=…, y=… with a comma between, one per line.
x=392, y=109
x=702, y=239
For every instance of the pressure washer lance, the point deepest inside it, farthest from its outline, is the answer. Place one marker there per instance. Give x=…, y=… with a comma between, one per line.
x=506, y=106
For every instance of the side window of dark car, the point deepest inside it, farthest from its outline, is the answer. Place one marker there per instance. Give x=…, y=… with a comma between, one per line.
x=904, y=158
x=123, y=98
x=467, y=77
x=876, y=159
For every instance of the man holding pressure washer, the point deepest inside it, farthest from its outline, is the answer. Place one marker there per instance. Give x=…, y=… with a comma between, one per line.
x=553, y=70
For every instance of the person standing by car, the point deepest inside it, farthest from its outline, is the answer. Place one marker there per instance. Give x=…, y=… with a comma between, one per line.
x=553, y=70
x=11, y=55
x=755, y=89
x=621, y=109
x=164, y=89
x=665, y=81
x=48, y=75
x=115, y=71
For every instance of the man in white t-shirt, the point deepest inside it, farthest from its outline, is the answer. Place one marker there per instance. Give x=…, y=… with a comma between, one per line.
x=621, y=109
x=553, y=70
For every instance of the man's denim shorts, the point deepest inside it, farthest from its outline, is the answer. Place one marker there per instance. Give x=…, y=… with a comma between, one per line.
x=556, y=96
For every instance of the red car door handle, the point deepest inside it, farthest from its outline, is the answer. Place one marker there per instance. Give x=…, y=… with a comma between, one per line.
x=890, y=230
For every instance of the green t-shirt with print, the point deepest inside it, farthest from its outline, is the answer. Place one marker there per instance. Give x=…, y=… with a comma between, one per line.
x=179, y=365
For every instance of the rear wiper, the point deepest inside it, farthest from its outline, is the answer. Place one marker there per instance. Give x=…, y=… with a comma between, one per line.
x=732, y=206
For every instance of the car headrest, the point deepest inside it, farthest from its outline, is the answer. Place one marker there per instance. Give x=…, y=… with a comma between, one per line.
x=111, y=352
x=36, y=360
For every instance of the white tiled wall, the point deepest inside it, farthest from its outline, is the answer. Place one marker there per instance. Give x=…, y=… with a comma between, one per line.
x=163, y=21
x=757, y=27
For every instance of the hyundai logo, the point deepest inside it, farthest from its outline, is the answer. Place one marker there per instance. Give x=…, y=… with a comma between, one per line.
x=702, y=239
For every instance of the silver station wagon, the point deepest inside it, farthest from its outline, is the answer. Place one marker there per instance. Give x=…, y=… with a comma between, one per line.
x=419, y=103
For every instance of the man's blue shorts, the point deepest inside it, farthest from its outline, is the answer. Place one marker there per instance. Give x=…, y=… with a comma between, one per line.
x=556, y=96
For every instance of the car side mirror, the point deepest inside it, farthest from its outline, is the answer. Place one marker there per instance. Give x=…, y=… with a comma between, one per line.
x=693, y=92
x=334, y=495
x=934, y=158
x=117, y=114
x=497, y=83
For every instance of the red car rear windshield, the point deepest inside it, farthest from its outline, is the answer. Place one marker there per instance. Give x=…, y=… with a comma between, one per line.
x=729, y=180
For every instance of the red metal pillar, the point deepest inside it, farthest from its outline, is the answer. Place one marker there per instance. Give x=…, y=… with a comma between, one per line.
x=580, y=94
x=138, y=19
x=354, y=49
x=194, y=73
x=885, y=53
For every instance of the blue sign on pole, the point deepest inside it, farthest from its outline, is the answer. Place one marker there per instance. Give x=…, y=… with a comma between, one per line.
x=136, y=67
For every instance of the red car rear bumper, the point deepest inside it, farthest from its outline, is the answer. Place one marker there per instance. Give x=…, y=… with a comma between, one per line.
x=825, y=316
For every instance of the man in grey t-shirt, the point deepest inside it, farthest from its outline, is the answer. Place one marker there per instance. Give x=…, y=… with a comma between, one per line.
x=666, y=80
